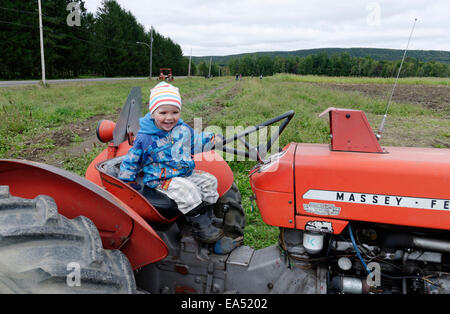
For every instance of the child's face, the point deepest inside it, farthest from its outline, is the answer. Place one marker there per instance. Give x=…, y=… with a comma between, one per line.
x=166, y=117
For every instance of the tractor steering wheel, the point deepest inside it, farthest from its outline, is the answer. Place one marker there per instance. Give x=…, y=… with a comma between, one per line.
x=256, y=153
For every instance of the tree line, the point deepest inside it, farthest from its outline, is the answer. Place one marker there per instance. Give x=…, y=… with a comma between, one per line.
x=104, y=43
x=339, y=64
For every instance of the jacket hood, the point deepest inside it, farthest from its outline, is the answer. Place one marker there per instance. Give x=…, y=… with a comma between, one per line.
x=148, y=126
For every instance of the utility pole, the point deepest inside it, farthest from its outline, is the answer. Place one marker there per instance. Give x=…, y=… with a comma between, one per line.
x=210, y=61
x=42, y=43
x=151, y=50
x=189, y=70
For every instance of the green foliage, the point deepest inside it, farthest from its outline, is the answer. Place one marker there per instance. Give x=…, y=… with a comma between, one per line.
x=103, y=45
x=341, y=64
x=375, y=53
x=79, y=165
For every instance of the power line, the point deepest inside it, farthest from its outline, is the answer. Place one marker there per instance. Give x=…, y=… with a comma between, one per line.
x=56, y=22
x=96, y=43
x=19, y=11
x=72, y=37
x=24, y=25
x=23, y=11
x=60, y=23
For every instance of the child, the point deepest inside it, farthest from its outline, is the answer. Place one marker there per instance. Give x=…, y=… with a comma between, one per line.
x=163, y=149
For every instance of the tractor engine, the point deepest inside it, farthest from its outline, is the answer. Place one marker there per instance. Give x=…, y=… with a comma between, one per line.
x=375, y=259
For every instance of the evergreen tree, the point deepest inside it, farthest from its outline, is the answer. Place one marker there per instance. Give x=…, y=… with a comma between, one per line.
x=103, y=44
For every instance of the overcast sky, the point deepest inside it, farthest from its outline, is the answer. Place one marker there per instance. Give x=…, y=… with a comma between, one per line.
x=224, y=27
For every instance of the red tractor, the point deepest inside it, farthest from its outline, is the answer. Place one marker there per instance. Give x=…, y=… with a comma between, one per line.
x=353, y=217
x=165, y=74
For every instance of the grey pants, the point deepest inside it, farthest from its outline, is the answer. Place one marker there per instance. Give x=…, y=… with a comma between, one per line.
x=189, y=192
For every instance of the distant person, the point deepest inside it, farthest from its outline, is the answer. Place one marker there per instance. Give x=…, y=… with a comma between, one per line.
x=237, y=77
x=260, y=77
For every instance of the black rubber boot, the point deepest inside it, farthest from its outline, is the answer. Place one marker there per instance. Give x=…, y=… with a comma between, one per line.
x=201, y=220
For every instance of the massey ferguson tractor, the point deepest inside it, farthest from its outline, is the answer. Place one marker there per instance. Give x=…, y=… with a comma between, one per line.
x=165, y=74
x=354, y=218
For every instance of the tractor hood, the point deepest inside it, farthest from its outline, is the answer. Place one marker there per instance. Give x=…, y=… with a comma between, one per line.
x=353, y=179
x=404, y=186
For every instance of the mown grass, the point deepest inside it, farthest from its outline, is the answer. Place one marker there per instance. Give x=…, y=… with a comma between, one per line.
x=222, y=102
x=364, y=80
x=30, y=110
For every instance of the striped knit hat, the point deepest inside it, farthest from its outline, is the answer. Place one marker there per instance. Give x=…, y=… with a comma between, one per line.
x=164, y=94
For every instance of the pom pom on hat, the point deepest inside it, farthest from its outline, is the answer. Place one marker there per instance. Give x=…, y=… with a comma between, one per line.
x=164, y=94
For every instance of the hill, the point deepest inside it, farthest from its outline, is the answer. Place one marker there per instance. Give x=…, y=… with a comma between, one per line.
x=375, y=53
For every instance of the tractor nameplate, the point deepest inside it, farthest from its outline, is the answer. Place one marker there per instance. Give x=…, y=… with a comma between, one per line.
x=379, y=199
x=322, y=209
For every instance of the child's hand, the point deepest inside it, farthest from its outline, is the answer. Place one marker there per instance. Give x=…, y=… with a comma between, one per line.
x=219, y=138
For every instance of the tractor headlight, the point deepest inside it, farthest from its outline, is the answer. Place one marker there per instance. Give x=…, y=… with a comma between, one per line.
x=105, y=130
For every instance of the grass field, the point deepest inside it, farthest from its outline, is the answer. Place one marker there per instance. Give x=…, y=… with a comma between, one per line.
x=56, y=125
x=367, y=80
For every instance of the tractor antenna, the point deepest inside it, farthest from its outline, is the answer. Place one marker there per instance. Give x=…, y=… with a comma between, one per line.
x=380, y=130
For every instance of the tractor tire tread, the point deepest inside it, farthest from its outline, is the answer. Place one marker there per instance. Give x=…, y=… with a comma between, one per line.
x=39, y=249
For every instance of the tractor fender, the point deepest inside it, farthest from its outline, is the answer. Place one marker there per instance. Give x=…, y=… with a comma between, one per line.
x=209, y=161
x=214, y=164
x=119, y=226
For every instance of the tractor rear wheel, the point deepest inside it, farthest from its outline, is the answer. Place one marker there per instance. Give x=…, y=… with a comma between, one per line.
x=42, y=251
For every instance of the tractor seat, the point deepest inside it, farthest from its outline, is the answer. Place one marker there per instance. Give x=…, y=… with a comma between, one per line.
x=165, y=206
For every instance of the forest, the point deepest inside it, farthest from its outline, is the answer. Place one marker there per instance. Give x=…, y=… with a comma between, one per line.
x=105, y=44
x=338, y=64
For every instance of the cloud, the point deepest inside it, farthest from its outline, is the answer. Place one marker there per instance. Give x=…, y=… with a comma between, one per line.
x=222, y=27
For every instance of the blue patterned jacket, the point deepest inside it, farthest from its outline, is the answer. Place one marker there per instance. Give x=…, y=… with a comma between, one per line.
x=163, y=155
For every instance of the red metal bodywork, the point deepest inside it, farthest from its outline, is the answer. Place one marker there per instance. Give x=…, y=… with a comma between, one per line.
x=210, y=162
x=351, y=131
x=380, y=183
x=367, y=187
x=105, y=129
x=162, y=76
x=352, y=181
x=92, y=173
x=119, y=226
